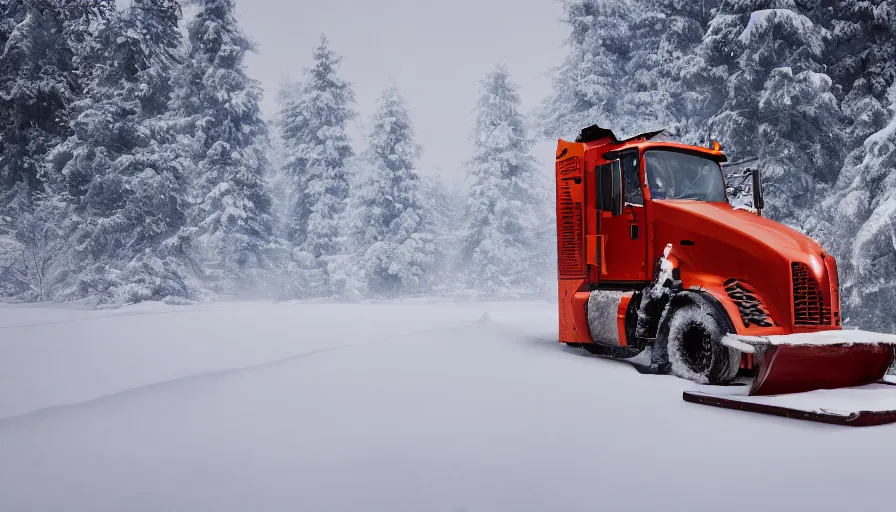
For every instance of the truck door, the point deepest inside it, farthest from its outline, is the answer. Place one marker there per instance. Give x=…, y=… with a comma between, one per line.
x=625, y=232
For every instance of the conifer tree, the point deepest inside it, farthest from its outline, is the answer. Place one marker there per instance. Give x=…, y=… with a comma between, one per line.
x=123, y=189
x=43, y=45
x=861, y=227
x=501, y=248
x=591, y=80
x=631, y=67
x=312, y=122
x=229, y=225
x=676, y=66
x=860, y=58
x=776, y=103
x=855, y=222
x=391, y=234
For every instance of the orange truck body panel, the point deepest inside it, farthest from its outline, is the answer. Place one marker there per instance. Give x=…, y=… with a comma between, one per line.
x=571, y=250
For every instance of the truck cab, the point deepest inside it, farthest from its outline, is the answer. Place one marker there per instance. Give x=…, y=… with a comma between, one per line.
x=618, y=183
x=627, y=209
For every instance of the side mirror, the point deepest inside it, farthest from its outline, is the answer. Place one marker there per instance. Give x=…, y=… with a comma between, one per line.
x=611, y=196
x=758, y=201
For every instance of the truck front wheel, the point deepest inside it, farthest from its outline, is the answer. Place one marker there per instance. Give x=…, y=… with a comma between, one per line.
x=693, y=337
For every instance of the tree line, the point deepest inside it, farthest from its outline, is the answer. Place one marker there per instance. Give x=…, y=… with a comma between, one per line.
x=135, y=165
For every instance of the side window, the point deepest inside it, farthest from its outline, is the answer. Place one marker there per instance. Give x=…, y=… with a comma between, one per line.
x=609, y=184
x=633, y=193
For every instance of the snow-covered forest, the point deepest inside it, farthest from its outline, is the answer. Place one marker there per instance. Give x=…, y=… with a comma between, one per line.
x=807, y=87
x=135, y=163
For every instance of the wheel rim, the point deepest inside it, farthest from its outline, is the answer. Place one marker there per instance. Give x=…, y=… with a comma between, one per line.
x=696, y=348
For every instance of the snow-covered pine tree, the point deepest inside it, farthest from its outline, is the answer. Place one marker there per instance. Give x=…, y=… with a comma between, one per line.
x=8, y=20
x=229, y=224
x=312, y=123
x=855, y=222
x=649, y=82
x=677, y=68
x=777, y=105
x=43, y=45
x=861, y=60
x=124, y=188
x=501, y=253
x=858, y=218
x=590, y=83
x=156, y=266
x=391, y=236
x=41, y=69
x=630, y=67
x=862, y=229
x=37, y=80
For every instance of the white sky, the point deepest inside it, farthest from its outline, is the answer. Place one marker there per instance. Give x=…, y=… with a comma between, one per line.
x=436, y=51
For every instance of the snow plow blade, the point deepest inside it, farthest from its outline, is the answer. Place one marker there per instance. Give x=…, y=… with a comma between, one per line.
x=796, y=363
x=863, y=406
x=837, y=376
x=795, y=369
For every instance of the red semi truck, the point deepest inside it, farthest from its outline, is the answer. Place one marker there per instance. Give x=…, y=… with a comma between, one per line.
x=656, y=266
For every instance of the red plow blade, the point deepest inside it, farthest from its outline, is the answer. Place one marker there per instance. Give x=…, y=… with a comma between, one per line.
x=837, y=377
x=799, y=368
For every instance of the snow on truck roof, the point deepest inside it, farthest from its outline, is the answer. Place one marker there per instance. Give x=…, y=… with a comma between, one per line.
x=596, y=134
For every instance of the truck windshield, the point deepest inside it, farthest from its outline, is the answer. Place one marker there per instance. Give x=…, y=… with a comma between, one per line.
x=676, y=175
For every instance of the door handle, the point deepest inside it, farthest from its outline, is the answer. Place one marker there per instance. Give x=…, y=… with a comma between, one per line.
x=634, y=230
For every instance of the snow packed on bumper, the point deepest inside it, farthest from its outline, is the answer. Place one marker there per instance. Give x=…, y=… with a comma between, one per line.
x=819, y=338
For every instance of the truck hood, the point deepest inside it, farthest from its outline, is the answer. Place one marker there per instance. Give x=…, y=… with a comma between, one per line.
x=739, y=227
x=713, y=242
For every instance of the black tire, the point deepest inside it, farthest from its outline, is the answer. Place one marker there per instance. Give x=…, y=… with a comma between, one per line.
x=693, y=335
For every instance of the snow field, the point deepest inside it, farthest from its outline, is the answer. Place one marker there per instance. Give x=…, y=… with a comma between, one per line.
x=414, y=406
